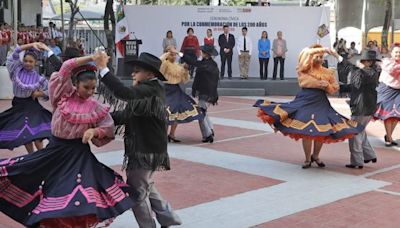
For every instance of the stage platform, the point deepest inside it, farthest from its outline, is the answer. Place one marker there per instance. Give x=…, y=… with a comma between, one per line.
x=251, y=87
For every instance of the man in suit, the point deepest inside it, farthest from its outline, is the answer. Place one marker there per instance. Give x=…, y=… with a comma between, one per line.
x=226, y=43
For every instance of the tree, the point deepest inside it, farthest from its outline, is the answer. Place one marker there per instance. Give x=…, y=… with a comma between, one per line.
x=386, y=23
x=73, y=5
x=110, y=34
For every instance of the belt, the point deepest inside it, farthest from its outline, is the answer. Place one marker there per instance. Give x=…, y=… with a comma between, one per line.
x=244, y=51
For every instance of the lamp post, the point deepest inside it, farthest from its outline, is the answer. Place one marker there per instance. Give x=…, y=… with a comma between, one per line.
x=62, y=24
x=393, y=17
x=15, y=14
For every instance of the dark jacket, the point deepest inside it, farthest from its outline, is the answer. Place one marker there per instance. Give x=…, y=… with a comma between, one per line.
x=145, y=123
x=205, y=83
x=223, y=43
x=363, y=93
x=53, y=64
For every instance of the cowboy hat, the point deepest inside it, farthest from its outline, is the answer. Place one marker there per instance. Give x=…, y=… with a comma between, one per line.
x=149, y=62
x=369, y=55
x=209, y=49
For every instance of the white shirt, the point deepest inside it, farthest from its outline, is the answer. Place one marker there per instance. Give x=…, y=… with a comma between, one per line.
x=240, y=44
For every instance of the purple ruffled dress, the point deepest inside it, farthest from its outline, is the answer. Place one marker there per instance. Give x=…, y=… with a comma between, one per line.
x=26, y=120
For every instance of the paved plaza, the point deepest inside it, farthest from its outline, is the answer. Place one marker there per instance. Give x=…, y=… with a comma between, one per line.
x=252, y=177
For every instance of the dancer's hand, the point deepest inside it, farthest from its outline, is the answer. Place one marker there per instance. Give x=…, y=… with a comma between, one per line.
x=88, y=135
x=323, y=84
x=186, y=66
x=332, y=52
x=173, y=50
x=101, y=59
x=360, y=65
x=36, y=46
x=43, y=46
x=37, y=93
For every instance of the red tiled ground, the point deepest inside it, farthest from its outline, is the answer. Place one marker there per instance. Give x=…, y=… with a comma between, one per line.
x=392, y=176
x=188, y=184
x=6, y=222
x=190, y=133
x=277, y=147
x=368, y=210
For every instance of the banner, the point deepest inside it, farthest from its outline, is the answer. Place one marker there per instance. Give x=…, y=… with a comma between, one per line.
x=298, y=25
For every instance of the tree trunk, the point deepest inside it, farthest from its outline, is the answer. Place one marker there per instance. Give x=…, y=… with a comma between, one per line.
x=386, y=23
x=110, y=34
x=307, y=3
x=73, y=5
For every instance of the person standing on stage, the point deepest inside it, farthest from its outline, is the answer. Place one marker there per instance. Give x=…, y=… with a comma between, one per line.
x=209, y=39
x=169, y=40
x=244, y=47
x=264, y=47
x=191, y=47
x=226, y=43
x=279, y=49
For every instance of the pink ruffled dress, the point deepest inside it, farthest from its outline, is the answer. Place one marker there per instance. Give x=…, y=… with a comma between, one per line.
x=388, y=102
x=64, y=185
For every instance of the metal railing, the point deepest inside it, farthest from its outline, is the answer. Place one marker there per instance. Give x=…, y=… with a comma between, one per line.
x=88, y=39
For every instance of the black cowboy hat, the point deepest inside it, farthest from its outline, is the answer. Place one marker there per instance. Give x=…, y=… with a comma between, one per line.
x=70, y=53
x=149, y=62
x=369, y=55
x=209, y=49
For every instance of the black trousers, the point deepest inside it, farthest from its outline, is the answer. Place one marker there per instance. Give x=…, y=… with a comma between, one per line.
x=226, y=58
x=281, y=69
x=263, y=68
x=193, y=56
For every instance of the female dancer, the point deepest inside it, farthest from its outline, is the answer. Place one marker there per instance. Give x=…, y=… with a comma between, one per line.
x=64, y=185
x=181, y=107
x=389, y=94
x=310, y=116
x=26, y=121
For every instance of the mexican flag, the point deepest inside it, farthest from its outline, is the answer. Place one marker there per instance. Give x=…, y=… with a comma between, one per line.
x=121, y=32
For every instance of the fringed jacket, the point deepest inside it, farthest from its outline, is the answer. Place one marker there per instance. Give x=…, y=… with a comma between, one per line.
x=144, y=118
x=363, y=94
x=205, y=83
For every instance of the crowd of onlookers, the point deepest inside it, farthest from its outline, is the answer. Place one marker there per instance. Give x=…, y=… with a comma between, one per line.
x=341, y=47
x=51, y=36
x=350, y=54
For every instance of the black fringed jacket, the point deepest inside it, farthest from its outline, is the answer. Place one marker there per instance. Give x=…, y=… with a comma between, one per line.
x=205, y=83
x=144, y=118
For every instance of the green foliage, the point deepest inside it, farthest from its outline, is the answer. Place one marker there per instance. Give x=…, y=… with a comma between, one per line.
x=235, y=3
